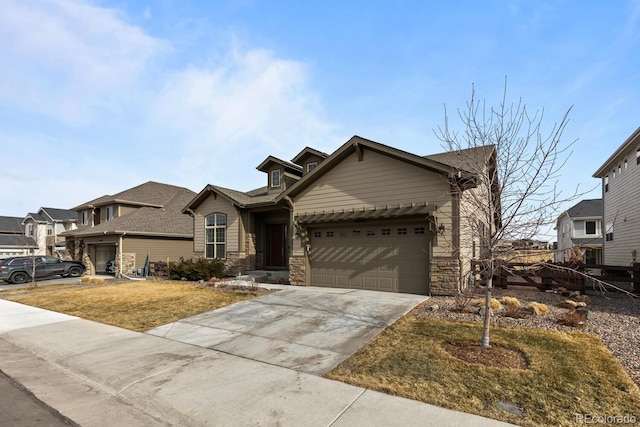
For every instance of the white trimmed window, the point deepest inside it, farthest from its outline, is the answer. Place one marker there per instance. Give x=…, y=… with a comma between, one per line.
x=109, y=213
x=589, y=227
x=311, y=166
x=275, y=178
x=215, y=232
x=85, y=218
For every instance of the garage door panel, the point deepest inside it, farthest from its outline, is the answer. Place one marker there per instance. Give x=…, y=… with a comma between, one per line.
x=386, y=258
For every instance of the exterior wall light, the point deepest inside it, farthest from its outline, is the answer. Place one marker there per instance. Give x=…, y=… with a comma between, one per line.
x=441, y=228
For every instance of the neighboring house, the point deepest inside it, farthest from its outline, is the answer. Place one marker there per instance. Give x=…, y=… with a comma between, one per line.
x=13, y=241
x=126, y=226
x=581, y=227
x=620, y=176
x=367, y=216
x=46, y=226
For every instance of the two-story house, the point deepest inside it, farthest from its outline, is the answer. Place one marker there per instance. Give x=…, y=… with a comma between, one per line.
x=46, y=227
x=620, y=177
x=367, y=216
x=580, y=226
x=13, y=239
x=128, y=226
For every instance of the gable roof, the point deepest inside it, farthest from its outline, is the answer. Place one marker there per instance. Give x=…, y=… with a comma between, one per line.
x=166, y=221
x=35, y=217
x=59, y=215
x=265, y=165
x=11, y=225
x=308, y=151
x=357, y=144
x=151, y=193
x=253, y=198
x=586, y=208
x=611, y=162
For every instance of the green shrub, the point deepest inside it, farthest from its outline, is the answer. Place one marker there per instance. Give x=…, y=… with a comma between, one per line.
x=198, y=269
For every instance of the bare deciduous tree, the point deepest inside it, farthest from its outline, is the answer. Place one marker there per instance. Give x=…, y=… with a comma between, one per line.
x=515, y=164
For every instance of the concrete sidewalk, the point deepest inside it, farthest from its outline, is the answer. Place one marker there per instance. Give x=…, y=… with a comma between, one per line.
x=100, y=375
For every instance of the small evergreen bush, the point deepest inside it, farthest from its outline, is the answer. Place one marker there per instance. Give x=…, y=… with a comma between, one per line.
x=198, y=269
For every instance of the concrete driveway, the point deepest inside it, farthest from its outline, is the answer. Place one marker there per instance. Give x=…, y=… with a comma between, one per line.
x=307, y=329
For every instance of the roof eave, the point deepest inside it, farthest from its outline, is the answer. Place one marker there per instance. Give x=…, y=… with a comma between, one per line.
x=604, y=169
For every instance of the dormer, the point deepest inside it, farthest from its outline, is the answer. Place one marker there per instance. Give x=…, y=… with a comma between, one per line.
x=309, y=159
x=281, y=174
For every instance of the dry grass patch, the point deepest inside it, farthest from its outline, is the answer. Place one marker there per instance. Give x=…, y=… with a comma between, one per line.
x=566, y=374
x=138, y=306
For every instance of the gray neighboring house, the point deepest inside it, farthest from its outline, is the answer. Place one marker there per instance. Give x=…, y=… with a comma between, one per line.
x=13, y=241
x=126, y=226
x=46, y=227
x=620, y=177
x=367, y=216
x=581, y=226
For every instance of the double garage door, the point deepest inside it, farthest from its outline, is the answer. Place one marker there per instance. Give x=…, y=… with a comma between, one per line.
x=392, y=258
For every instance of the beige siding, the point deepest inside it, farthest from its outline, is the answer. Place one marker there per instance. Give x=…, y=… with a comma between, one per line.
x=123, y=210
x=159, y=249
x=217, y=205
x=622, y=209
x=376, y=181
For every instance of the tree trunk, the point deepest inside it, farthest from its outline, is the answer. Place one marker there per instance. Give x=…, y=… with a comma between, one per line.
x=487, y=309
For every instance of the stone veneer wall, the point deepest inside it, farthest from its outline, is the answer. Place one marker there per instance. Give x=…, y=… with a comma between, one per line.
x=237, y=263
x=445, y=276
x=297, y=270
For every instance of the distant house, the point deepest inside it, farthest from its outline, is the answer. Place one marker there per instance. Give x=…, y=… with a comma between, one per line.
x=128, y=226
x=13, y=241
x=367, y=216
x=581, y=227
x=45, y=228
x=620, y=177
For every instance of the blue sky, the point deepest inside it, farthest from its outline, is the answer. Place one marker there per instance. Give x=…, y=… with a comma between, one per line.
x=99, y=96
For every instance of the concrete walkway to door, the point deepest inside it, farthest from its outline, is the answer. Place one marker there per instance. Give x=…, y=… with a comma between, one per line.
x=307, y=329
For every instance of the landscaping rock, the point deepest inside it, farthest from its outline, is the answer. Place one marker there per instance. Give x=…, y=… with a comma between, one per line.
x=568, y=304
x=583, y=311
x=434, y=307
x=510, y=408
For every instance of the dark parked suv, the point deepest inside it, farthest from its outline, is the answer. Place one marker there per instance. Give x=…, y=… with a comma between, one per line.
x=19, y=269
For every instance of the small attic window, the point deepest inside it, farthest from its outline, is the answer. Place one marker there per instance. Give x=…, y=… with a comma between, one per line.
x=275, y=178
x=311, y=166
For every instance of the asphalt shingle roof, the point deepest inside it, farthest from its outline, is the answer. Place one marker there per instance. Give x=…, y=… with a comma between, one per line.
x=586, y=208
x=148, y=194
x=166, y=220
x=11, y=224
x=60, y=214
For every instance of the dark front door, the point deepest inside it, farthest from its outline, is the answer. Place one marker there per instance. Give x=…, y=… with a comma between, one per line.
x=277, y=239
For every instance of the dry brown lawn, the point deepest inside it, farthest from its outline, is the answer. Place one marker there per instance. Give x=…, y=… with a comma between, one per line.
x=138, y=306
x=563, y=374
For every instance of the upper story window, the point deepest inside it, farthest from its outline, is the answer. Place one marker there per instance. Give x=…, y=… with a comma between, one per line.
x=30, y=230
x=589, y=227
x=49, y=229
x=85, y=218
x=606, y=183
x=109, y=213
x=311, y=166
x=215, y=229
x=275, y=178
x=638, y=156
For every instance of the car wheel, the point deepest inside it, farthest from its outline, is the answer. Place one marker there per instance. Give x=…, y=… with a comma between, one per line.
x=19, y=277
x=75, y=272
